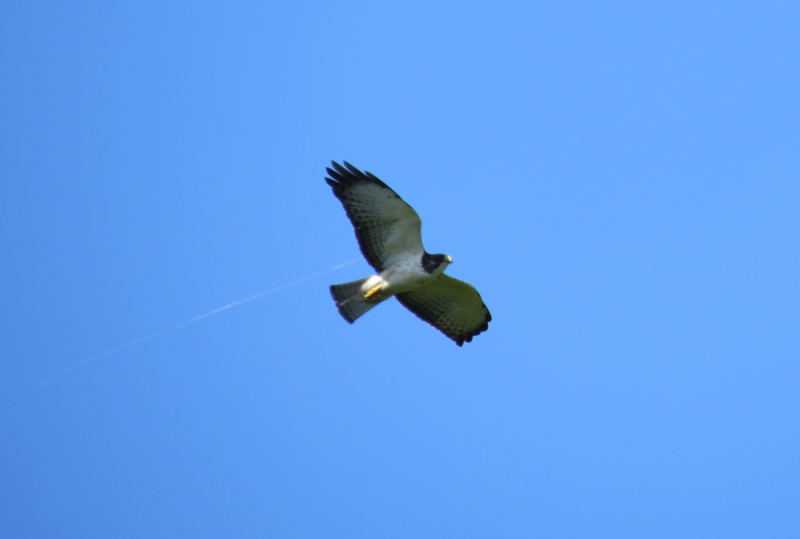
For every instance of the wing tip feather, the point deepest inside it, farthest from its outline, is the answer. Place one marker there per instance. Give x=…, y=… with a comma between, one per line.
x=349, y=175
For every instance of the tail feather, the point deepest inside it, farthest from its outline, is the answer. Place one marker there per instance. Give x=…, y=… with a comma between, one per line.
x=350, y=300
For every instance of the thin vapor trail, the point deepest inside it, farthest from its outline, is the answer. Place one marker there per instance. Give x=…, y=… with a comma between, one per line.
x=92, y=359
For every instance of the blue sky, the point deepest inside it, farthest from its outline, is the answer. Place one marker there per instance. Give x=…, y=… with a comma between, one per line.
x=618, y=179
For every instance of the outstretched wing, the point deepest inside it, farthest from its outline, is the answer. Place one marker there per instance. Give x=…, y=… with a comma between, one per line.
x=387, y=228
x=453, y=307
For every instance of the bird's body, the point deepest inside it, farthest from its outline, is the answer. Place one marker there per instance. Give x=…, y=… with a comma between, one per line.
x=404, y=276
x=389, y=234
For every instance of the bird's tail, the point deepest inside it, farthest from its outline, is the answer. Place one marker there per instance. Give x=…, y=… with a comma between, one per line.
x=350, y=300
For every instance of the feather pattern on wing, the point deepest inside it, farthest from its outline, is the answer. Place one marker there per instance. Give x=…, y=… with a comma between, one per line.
x=453, y=307
x=387, y=229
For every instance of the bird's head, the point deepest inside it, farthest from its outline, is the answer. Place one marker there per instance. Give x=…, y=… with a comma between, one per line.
x=435, y=263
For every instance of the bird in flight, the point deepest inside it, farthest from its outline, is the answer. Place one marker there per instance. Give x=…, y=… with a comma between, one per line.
x=389, y=235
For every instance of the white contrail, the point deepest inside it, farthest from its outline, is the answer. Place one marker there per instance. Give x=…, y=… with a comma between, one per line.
x=191, y=321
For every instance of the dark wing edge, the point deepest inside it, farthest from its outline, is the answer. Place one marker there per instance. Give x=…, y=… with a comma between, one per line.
x=453, y=307
x=341, y=178
x=348, y=174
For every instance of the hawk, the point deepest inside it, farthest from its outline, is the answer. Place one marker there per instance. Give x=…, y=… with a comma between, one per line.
x=389, y=235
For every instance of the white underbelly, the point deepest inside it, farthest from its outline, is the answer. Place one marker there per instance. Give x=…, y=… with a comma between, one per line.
x=396, y=280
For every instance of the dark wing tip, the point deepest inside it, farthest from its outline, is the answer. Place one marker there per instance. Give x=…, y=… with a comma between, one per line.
x=338, y=174
x=352, y=169
x=332, y=180
x=339, y=168
x=460, y=340
x=349, y=175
